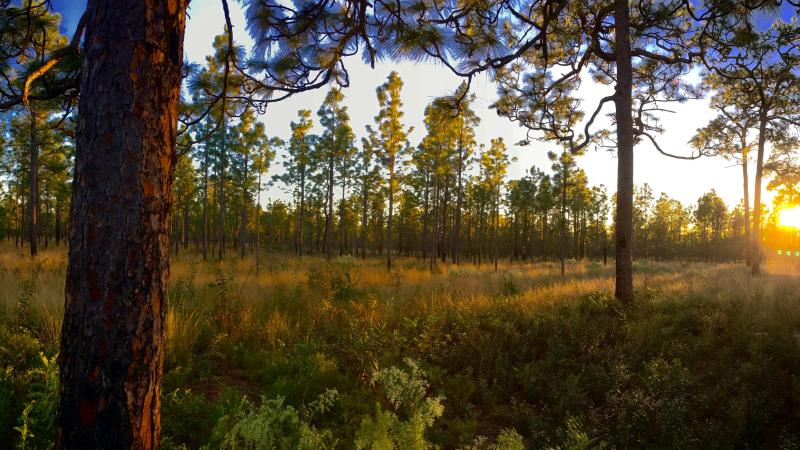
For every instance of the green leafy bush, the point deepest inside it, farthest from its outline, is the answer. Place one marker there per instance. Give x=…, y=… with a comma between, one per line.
x=37, y=423
x=333, y=281
x=274, y=425
x=412, y=411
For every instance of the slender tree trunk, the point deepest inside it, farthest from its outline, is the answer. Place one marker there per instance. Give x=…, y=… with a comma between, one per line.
x=435, y=230
x=496, y=226
x=479, y=233
x=389, y=222
x=258, y=217
x=205, y=203
x=46, y=232
x=112, y=341
x=245, y=202
x=746, y=199
x=243, y=233
x=222, y=164
x=329, y=210
x=33, y=178
x=622, y=99
x=302, y=216
x=456, y=244
x=186, y=225
x=544, y=234
x=425, y=215
x=364, y=206
x=58, y=222
x=755, y=248
x=562, y=242
x=175, y=239
x=443, y=238
x=342, y=212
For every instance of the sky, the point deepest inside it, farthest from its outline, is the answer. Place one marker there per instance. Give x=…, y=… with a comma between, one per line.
x=682, y=180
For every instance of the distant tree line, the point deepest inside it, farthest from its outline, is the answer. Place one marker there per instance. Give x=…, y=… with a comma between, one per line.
x=449, y=198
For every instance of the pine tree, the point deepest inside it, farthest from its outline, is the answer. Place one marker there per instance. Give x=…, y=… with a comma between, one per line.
x=392, y=143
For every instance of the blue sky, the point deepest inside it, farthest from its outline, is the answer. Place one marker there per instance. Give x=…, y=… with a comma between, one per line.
x=683, y=180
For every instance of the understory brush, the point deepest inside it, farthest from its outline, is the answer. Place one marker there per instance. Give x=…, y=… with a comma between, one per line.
x=345, y=355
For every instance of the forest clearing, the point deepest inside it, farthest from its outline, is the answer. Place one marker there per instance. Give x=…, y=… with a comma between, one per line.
x=399, y=224
x=707, y=356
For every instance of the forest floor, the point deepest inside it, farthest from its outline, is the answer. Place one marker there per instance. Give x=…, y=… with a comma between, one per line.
x=314, y=354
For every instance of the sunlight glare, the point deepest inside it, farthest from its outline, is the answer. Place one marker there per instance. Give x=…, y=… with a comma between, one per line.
x=790, y=217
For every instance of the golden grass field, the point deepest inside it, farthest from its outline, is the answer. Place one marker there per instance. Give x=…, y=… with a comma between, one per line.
x=270, y=302
x=708, y=356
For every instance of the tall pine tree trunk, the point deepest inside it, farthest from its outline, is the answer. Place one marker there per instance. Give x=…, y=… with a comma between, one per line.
x=186, y=224
x=302, y=217
x=623, y=102
x=258, y=217
x=364, y=206
x=391, y=213
x=435, y=224
x=755, y=246
x=33, y=199
x=205, y=203
x=58, y=222
x=222, y=164
x=746, y=200
x=245, y=202
x=342, y=211
x=456, y=245
x=112, y=342
x=562, y=240
x=329, y=210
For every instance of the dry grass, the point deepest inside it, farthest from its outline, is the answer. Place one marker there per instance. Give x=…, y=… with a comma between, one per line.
x=277, y=305
x=694, y=349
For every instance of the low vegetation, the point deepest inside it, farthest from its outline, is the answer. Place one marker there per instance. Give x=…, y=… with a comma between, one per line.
x=313, y=354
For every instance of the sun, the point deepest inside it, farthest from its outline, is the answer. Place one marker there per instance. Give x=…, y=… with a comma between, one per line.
x=789, y=217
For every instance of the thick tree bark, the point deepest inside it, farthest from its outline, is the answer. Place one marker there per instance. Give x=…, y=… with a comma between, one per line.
x=112, y=348
x=623, y=103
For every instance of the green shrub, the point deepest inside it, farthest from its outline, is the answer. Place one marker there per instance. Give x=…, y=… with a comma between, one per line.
x=412, y=412
x=333, y=281
x=274, y=425
x=37, y=423
x=508, y=439
x=186, y=418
